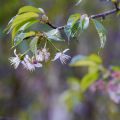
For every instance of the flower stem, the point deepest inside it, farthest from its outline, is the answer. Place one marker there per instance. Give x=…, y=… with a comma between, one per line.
x=25, y=52
x=53, y=45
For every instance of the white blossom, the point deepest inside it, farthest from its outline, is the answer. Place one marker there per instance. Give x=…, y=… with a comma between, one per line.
x=15, y=61
x=46, y=54
x=43, y=55
x=30, y=64
x=39, y=56
x=62, y=56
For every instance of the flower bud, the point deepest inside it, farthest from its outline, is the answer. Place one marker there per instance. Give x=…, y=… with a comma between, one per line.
x=44, y=18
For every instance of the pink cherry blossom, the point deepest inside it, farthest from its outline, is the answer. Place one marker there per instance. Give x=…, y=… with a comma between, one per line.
x=113, y=90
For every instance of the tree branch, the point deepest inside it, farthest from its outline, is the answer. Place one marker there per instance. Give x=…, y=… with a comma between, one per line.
x=54, y=27
x=101, y=15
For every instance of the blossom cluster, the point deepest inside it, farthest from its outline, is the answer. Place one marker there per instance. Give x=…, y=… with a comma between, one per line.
x=36, y=61
x=110, y=87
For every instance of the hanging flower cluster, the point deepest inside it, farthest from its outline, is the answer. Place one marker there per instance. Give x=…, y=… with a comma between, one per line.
x=112, y=87
x=37, y=60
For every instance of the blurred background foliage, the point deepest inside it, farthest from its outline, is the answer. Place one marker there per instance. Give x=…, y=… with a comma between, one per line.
x=37, y=95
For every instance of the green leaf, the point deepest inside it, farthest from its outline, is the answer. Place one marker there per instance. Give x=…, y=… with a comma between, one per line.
x=22, y=22
x=28, y=24
x=33, y=44
x=7, y=29
x=83, y=63
x=80, y=60
x=67, y=98
x=71, y=98
x=93, y=62
x=77, y=58
x=54, y=35
x=20, y=37
x=24, y=15
x=97, y=59
x=101, y=32
x=30, y=9
x=75, y=31
x=22, y=27
x=74, y=84
x=84, y=22
x=115, y=68
x=68, y=32
x=88, y=80
x=23, y=18
x=73, y=19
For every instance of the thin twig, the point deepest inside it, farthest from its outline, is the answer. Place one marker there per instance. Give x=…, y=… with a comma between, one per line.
x=100, y=15
x=53, y=45
x=103, y=15
x=52, y=26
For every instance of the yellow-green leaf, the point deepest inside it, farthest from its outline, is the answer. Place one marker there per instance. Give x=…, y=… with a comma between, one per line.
x=81, y=60
x=73, y=19
x=101, y=32
x=88, y=80
x=54, y=35
x=30, y=9
x=20, y=37
x=33, y=44
x=97, y=59
x=25, y=17
x=23, y=26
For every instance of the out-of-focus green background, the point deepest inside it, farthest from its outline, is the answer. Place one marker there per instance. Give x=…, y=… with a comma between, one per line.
x=34, y=96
